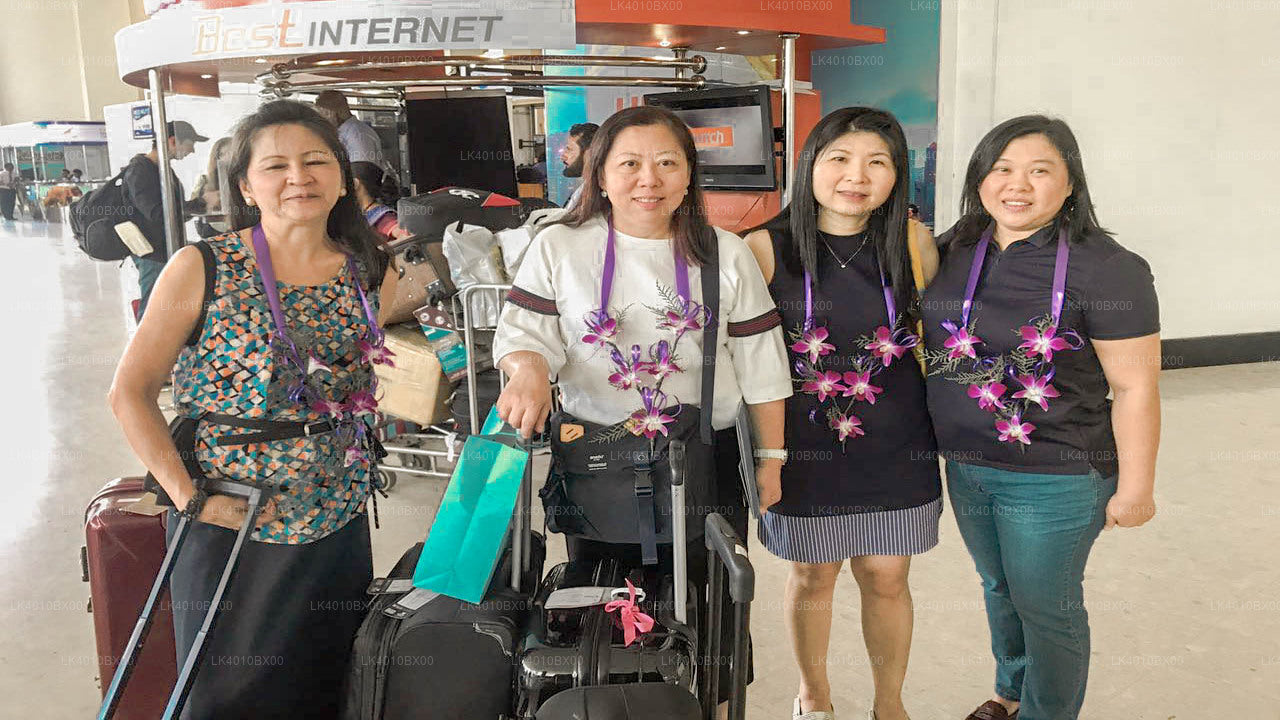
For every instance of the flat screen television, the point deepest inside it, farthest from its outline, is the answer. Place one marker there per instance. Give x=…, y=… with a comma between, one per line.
x=733, y=130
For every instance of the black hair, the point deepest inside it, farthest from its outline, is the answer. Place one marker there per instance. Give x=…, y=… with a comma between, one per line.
x=584, y=133
x=1077, y=211
x=346, y=223
x=380, y=184
x=691, y=230
x=797, y=223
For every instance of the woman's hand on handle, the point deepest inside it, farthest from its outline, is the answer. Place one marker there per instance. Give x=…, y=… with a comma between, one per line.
x=525, y=403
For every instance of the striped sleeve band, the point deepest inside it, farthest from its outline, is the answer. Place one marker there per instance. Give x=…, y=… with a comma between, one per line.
x=534, y=303
x=756, y=325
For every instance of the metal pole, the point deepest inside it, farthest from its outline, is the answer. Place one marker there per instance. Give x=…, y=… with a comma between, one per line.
x=681, y=54
x=172, y=223
x=788, y=113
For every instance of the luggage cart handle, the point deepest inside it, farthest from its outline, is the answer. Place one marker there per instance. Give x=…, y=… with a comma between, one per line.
x=232, y=488
x=723, y=541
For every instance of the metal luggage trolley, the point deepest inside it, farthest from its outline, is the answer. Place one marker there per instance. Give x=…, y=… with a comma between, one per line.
x=471, y=331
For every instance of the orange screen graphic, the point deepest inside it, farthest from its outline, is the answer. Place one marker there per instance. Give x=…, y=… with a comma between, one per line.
x=713, y=137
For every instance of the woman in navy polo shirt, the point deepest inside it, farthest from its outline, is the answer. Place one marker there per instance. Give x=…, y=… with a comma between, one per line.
x=1035, y=314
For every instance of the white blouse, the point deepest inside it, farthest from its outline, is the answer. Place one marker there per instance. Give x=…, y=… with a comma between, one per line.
x=559, y=284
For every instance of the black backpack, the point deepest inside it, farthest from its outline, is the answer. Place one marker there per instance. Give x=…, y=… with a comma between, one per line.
x=94, y=217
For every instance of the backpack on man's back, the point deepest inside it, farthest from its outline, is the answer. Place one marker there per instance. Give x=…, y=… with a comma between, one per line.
x=94, y=221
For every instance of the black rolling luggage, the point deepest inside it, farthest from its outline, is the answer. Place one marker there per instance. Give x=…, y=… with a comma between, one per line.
x=730, y=571
x=423, y=655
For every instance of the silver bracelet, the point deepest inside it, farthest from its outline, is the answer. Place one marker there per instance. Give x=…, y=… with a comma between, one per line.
x=771, y=454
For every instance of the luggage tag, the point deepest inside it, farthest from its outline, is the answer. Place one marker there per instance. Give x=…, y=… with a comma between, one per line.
x=588, y=596
x=411, y=603
x=390, y=586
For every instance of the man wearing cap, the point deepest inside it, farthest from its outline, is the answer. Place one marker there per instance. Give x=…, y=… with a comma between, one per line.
x=361, y=141
x=142, y=188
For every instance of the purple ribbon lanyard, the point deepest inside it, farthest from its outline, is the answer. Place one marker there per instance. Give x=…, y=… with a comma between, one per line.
x=610, y=261
x=267, y=272
x=1059, y=277
x=889, y=304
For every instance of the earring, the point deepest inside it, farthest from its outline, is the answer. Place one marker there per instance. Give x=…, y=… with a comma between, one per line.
x=248, y=201
x=604, y=193
x=342, y=192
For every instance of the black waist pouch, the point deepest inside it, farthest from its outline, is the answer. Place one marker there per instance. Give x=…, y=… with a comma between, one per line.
x=609, y=485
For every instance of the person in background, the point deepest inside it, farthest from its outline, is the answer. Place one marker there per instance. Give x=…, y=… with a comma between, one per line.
x=376, y=191
x=574, y=153
x=64, y=176
x=1036, y=315
x=360, y=140
x=913, y=211
x=77, y=176
x=8, y=191
x=142, y=187
x=206, y=198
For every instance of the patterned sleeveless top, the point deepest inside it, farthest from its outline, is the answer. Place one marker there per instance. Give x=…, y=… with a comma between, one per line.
x=231, y=371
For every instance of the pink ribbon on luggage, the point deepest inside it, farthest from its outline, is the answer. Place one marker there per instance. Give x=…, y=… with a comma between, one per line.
x=634, y=623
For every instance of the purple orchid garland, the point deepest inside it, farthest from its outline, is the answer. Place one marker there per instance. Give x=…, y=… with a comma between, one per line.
x=630, y=369
x=1030, y=365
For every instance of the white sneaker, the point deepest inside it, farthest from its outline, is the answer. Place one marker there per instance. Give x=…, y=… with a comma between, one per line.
x=812, y=714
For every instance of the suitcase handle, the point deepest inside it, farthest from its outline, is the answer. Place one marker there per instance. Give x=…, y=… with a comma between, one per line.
x=679, y=532
x=726, y=554
x=187, y=672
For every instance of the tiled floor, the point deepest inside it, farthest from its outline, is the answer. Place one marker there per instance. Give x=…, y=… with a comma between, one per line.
x=1185, y=612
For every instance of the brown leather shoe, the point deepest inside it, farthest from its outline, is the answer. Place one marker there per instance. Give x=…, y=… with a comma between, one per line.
x=992, y=710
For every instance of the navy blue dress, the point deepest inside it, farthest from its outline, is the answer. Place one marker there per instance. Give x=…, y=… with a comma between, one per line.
x=879, y=493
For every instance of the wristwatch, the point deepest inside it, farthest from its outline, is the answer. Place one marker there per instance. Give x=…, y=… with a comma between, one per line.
x=771, y=454
x=194, y=505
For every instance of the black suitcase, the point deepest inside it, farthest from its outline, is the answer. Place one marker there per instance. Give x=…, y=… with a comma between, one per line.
x=444, y=658
x=726, y=554
x=574, y=648
x=567, y=647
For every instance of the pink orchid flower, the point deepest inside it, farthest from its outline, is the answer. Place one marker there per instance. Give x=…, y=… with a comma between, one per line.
x=826, y=384
x=988, y=395
x=329, y=407
x=814, y=344
x=661, y=363
x=626, y=374
x=847, y=426
x=362, y=403
x=602, y=328
x=1014, y=430
x=355, y=454
x=691, y=319
x=858, y=385
x=377, y=354
x=1042, y=343
x=651, y=420
x=1036, y=390
x=961, y=343
x=884, y=347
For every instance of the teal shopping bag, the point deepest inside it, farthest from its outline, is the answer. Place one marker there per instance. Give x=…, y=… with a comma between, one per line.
x=466, y=540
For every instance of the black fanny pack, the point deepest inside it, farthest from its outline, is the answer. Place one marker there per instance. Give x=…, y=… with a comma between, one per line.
x=609, y=485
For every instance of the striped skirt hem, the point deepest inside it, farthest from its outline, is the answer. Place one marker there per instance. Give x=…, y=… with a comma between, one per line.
x=832, y=538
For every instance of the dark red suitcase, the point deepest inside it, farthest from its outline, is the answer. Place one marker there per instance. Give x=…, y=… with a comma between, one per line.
x=122, y=553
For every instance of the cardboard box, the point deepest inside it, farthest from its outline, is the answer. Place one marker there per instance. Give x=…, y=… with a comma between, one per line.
x=416, y=388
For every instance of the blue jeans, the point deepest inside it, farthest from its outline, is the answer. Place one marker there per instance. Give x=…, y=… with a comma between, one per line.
x=148, y=271
x=1030, y=536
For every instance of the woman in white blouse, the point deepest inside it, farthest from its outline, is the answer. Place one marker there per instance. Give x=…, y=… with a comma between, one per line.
x=642, y=163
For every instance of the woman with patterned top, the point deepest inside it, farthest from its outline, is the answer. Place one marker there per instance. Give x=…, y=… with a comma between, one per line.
x=608, y=301
x=274, y=332
x=862, y=485
x=1036, y=314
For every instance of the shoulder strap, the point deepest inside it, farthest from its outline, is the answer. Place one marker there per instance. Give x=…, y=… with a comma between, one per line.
x=210, y=273
x=710, y=335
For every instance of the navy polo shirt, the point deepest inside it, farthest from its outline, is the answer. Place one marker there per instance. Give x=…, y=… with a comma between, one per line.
x=1110, y=295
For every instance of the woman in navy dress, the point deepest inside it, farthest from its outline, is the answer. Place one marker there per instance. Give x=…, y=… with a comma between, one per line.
x=861, y=483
